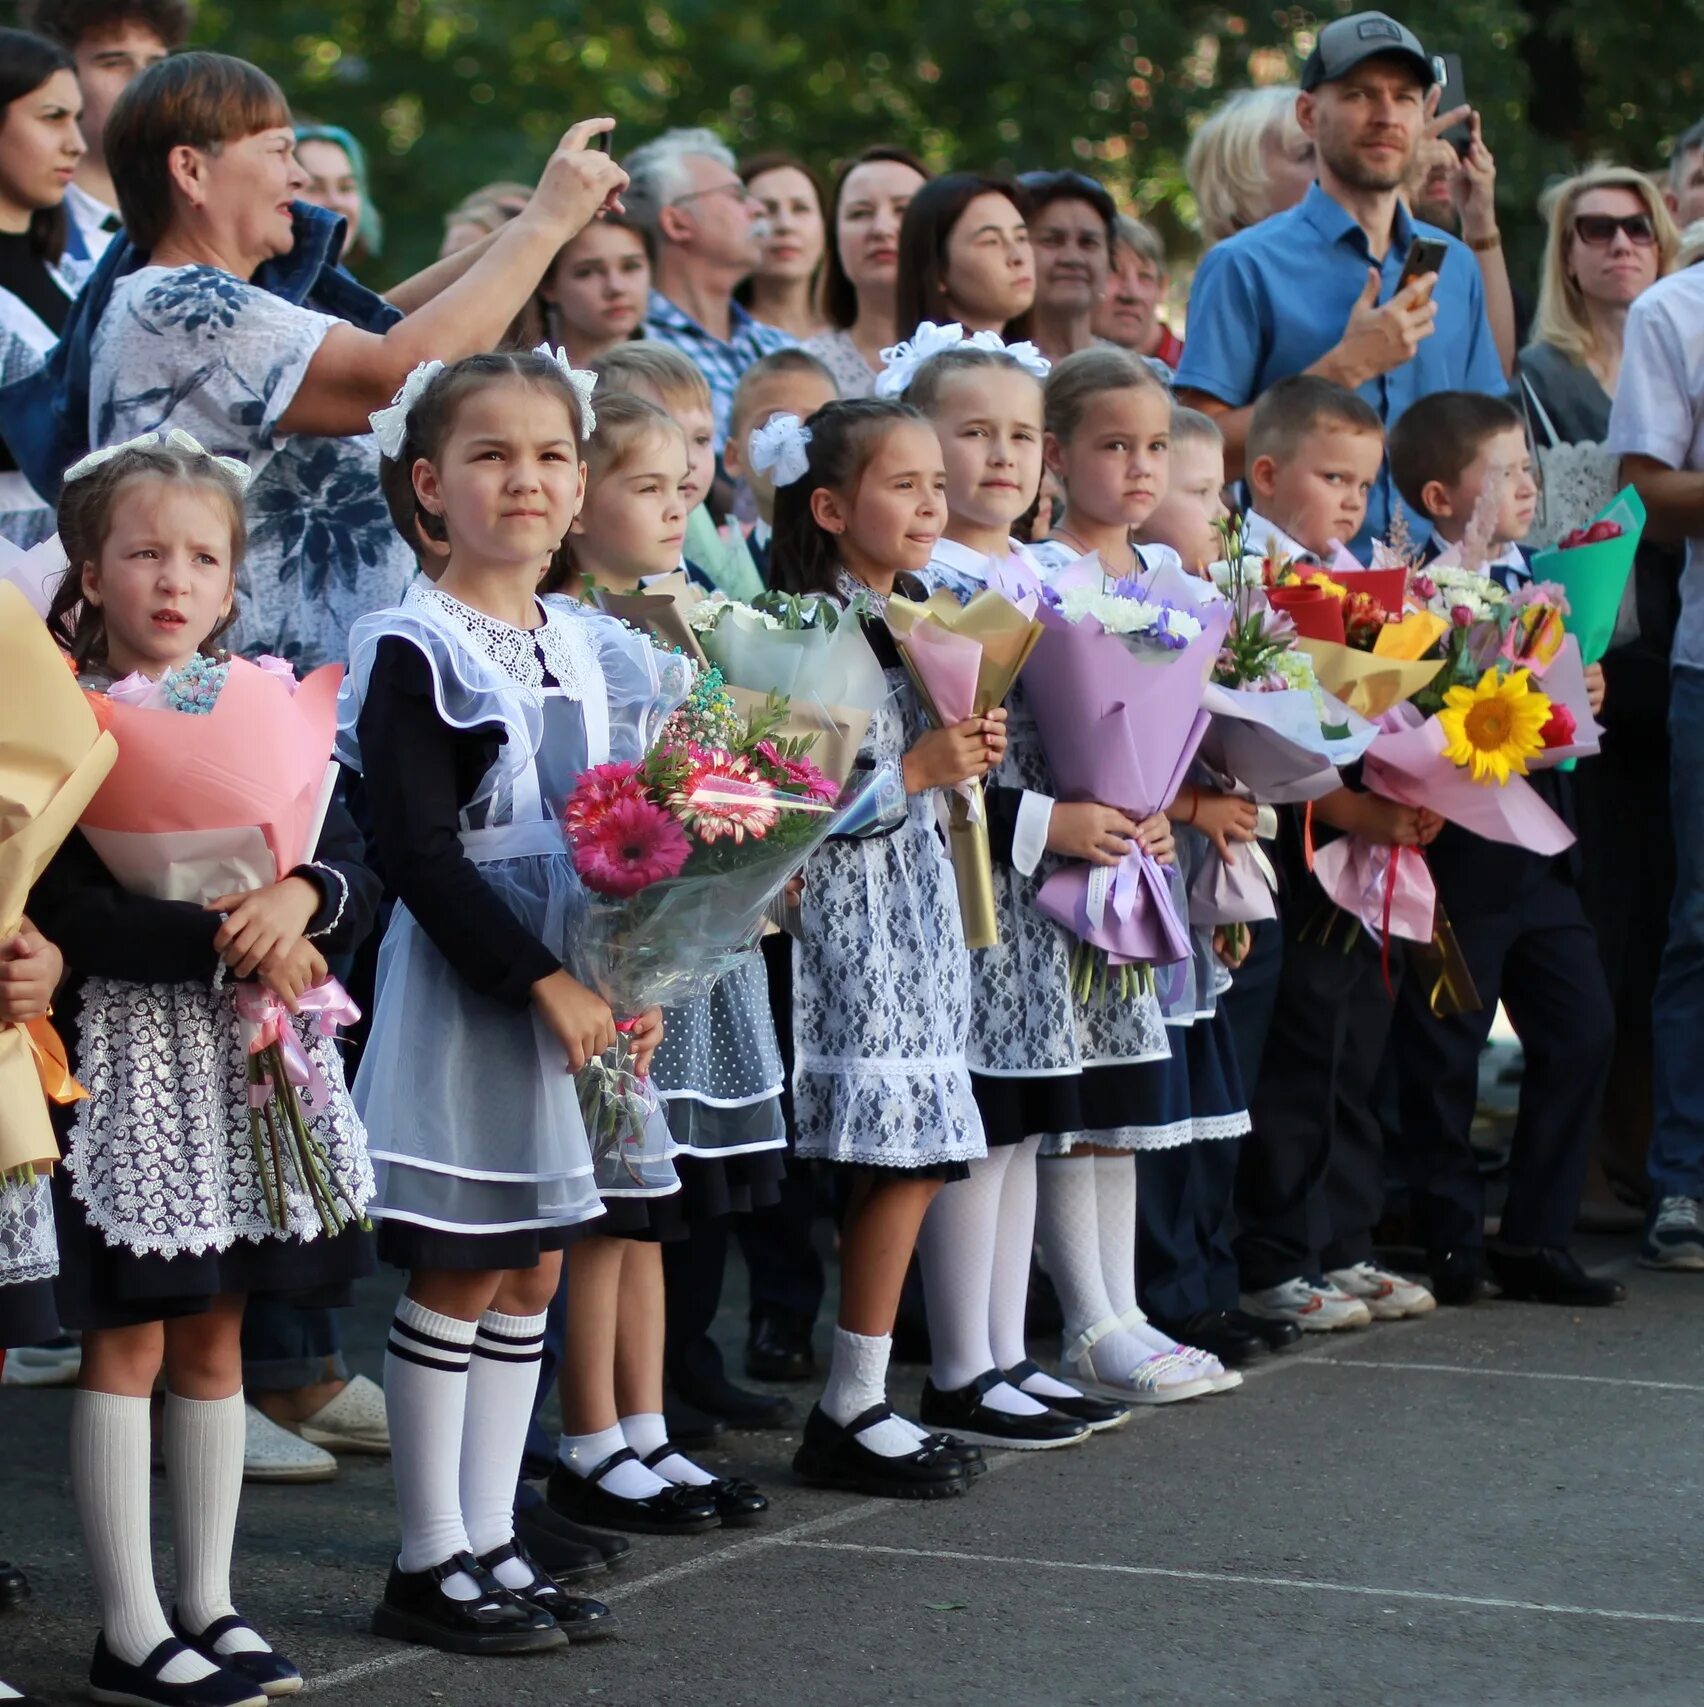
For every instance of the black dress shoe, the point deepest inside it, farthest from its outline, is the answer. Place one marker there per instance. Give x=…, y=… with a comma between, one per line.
x=14, y=1586
x=687, y=1424
x=416, y=1609
x=1458, y=1277
x=738, y=1407
x=739, y=1503
x=269, y=1672
x=1276, y=1336
x=671, y=1511
x=114, y=1680
x=558, y=1555
x=1550, y=1275
x=779, y=1351
x=579, y=1619
x=1214, y=1332
x=962, y=1414
x=831, y=1456
x=1094, y=1414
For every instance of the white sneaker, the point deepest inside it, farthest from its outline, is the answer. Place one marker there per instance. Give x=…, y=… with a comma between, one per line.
x=56, y=1364
x=1312, y=1303
x=1388, y=1296
x=274, y=1454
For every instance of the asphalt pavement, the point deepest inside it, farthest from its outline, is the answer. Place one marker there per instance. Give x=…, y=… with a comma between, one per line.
x=1490, y=1507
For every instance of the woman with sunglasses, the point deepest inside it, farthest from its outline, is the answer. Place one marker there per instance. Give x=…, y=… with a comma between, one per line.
x=1610, y=239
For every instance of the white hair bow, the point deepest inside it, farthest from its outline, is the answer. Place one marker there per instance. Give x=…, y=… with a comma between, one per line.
x=176, y=439
x=780, y=449
x=390, y=426
x=901, y=362
x=582, y=379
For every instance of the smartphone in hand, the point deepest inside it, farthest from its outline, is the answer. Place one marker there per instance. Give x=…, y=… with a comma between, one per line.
x=1425, y=255
x=1452, y=93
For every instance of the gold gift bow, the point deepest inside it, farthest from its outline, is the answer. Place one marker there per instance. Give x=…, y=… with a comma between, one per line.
x=53, y=759
x=1007, y=638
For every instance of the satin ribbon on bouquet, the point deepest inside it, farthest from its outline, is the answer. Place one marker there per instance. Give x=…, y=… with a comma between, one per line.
x=279, y=1067
x=265, y=1024
x=1388, y=889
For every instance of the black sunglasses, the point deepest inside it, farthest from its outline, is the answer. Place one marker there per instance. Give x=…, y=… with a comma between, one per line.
x=1599, y=229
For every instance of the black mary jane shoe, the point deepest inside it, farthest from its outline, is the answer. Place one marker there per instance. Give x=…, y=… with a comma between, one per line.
x=1275, y=1335
x=962, y=1415
x=1550, y=1275
x=1093, y=1413
x=270, y=1673
x=121, y=1684
x=416, y=1609
x=831, y=1456
x=14, y=1586
x=779, y=1351
x=579, y=1619
x=673, y=1511
x=739, y=1503
x=566, y=1550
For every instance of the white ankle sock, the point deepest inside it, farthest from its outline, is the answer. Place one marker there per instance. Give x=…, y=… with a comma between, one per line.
x=1115, y=1202
x=502, y=1387
x=426, y=1378
x=645, y=1431
x=955, y=1250
x=204, y=1475
x=857, y=1379
x=583, y=1453
x=110, y=1476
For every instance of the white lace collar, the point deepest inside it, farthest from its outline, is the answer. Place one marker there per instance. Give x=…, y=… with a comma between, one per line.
x=558, y=646
x=848, y=587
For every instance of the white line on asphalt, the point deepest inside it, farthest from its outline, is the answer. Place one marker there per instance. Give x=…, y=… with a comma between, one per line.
x=795, y=1534
x=1232, y=1577
x=1510, y=1374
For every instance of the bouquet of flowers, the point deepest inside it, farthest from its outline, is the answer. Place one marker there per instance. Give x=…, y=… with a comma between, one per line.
x=1116, y=687
x=661, y=608
x=682, y=853
x=53, y=757
x=964, y=660
x=1593, y=568
x=36, y=573
x=188, y=814
x=805, y=648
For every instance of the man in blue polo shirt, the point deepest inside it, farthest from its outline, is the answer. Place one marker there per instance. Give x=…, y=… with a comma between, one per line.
x=1314, y=289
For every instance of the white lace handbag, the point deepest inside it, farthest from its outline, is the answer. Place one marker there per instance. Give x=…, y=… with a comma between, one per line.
x=1575, y=482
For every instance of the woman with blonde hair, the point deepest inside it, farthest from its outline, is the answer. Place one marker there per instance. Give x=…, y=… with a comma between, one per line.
x=1248, y=161
x=1610, y=238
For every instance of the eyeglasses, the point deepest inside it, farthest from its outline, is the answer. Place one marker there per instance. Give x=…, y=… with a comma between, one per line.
x=1598, y=229
x=732, y=188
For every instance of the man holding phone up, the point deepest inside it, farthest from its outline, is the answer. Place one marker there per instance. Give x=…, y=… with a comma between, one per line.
x=1321, y=288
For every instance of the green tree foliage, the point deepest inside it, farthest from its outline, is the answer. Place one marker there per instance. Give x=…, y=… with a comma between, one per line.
x=450, y=94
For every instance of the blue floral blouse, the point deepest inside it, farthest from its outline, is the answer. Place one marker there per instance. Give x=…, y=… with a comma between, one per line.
x=197, y=348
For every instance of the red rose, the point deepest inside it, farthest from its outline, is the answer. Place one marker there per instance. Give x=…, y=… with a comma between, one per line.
x=1558, y=730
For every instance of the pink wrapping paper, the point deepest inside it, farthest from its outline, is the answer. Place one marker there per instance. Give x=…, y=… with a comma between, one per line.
x=1237, y=892
x=257, y=759
x=1407, y=765
x=1357, y=875
x=1120, y=730
x=1565, y=683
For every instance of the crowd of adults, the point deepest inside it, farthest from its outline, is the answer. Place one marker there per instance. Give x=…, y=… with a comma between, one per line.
x=1307, y=201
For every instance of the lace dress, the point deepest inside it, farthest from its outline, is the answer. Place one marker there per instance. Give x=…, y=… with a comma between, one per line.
x=29, y=1259
x=471, y=734
x=159, y=1201
x=1029, y=1041
x=881, y=984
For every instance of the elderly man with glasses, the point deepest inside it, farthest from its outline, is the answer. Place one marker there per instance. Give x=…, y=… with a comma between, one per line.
x=701, y=224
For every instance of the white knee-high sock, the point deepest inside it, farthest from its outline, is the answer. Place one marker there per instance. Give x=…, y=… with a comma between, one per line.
x=1009, y=1298
x=110, y=1475
x=857, y=1379
x=426, y=1374
x=204, y=1474
x=1115, y=1198
x=502, y=1386
x=956, y=1249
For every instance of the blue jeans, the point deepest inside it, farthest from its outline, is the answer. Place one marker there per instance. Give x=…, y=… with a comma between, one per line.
x=1676, y=1159
x=285, y=1347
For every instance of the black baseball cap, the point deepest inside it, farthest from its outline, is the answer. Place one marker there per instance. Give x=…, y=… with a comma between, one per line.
x=1345, y=43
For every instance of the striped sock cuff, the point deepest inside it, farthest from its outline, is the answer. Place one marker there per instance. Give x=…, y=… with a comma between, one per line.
x=509, y=1339
x=422, y=1336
